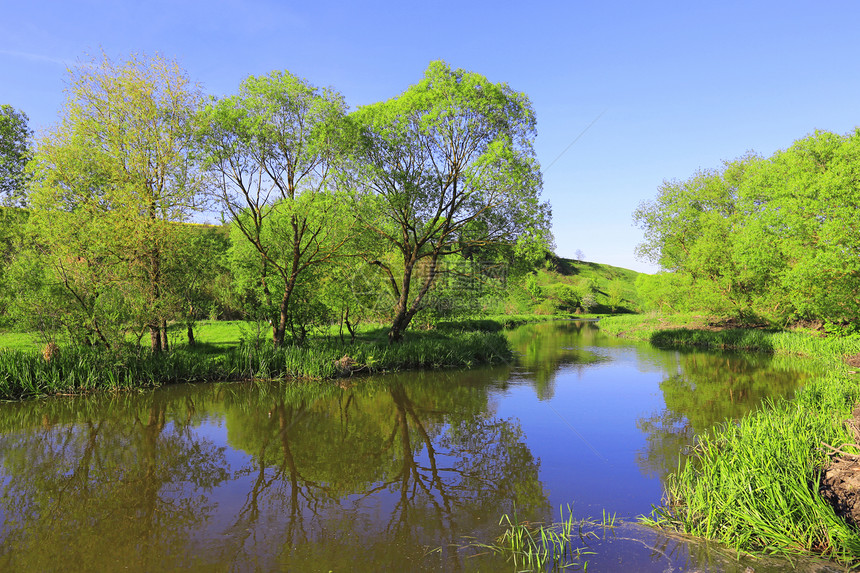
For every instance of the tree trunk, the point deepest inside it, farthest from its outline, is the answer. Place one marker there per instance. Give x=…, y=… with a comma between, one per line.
x=155, y=338
x=404, y=311
x=155, y=294
x=401, y=311
x=399, y=325
x=349, y=327
x=164, y=345
x=279, y=331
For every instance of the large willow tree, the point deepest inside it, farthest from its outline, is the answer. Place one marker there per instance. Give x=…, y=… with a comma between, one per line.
x=446, y=167
x=270, y=149
x=111, y=179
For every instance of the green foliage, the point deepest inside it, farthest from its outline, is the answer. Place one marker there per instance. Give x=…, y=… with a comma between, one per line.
x=773, y=238
x=109, y=183
x=197, y=274
x=425, y=202
x=271, y=148
x=568, y=287
x=665, y=292
x=532, y=287
x=15, y=152
x=12, y=244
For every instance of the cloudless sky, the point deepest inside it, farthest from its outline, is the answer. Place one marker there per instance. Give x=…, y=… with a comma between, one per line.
x=673, y=86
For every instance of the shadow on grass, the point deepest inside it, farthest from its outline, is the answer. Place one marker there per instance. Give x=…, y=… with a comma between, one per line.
x=205, y=348
x=730, y=339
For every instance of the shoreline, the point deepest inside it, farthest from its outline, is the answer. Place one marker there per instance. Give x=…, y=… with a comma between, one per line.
x=27, y=374
x=753, y=484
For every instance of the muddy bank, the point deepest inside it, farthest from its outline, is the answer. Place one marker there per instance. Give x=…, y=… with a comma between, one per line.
x=840, y=481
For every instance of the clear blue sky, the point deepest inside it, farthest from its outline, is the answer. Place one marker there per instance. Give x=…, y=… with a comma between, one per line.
x=681, y=85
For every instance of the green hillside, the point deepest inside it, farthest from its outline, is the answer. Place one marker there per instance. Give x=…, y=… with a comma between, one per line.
x=568, y=285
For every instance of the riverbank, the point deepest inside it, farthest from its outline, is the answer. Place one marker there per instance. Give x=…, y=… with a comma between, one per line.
x=753, y=484
x=75, y=371
x=233, y=351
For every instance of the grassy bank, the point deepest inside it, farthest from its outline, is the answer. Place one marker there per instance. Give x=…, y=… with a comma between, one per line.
x=753, y=484
x=231, y=333
x=26, y=374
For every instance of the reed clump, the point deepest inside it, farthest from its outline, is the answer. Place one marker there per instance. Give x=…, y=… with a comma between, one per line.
x=81, y=370
x=538, y=547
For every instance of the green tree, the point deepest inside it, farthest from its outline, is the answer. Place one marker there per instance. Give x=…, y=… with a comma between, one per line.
x=15, y=152
x=111, y=180
x=615, y=294
x=270, y=149
x=445, y=167
x=196, y=272
x=773, y=239
x=13, y=242
x=800, y=237
x=691, y=228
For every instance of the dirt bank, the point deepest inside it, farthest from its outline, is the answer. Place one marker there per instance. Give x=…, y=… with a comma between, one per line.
x=840, y=481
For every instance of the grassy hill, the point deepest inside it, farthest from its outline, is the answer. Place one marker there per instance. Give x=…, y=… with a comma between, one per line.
x=568, y=285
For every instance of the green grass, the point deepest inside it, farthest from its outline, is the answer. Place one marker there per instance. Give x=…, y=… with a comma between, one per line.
x=224, y=334
x=20, y=341
x=568, y=271
x=26, y=374
x=753, y=484
x=643, y=326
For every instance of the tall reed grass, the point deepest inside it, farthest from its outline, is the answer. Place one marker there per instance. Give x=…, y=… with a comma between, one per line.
x=753, y=484
x=73, y=371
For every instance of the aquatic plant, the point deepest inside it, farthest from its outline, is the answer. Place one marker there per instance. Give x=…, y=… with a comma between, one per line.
x=537, y=547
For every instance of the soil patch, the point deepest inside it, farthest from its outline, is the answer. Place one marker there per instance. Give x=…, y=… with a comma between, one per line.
x=840, y=481
x=853, y=360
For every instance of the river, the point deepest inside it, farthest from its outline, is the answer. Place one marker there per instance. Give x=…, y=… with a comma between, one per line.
x=401, y=472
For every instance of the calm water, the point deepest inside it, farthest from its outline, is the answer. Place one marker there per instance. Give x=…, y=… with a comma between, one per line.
x=393, y=473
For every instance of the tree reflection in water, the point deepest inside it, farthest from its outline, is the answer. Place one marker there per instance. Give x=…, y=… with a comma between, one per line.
x=102, y=482
x=707, y=388
x=379, y=476
x=307, y=478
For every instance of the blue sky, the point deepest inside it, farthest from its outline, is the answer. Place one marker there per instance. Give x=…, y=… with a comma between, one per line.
x=680, y=85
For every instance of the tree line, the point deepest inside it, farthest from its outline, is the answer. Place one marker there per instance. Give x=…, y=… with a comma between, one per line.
x=771, y=239
x=330, y=214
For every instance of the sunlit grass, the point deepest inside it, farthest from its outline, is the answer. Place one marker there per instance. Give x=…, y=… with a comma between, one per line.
x=20, y=341
x=753, y=485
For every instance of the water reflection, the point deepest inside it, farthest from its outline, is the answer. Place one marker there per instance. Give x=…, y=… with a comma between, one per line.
x=422, y=454
x=367, y=474
x=542, y=348
x=698, y=389
x=707, y=389
x=328, y=476
x=103, y=479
